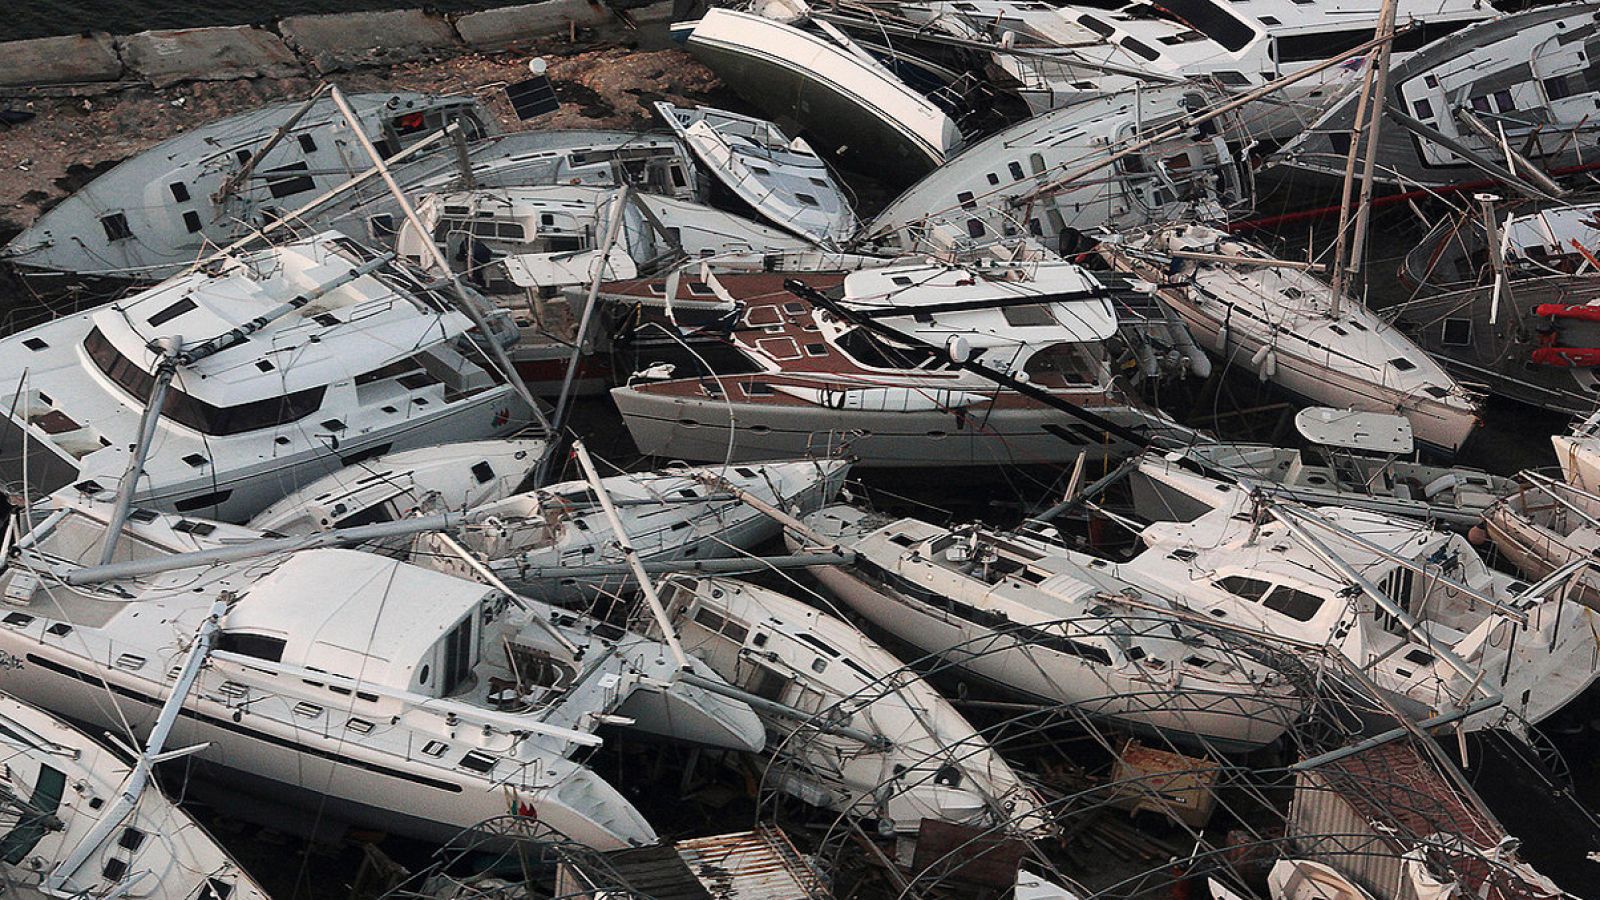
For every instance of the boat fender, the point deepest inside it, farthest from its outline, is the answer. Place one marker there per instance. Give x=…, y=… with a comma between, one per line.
x=1445, y=482
x=1147, y=359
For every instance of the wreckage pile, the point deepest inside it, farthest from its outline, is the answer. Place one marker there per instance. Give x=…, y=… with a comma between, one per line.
x=306, y=497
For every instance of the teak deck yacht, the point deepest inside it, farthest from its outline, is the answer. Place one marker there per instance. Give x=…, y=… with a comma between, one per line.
x=800, y=380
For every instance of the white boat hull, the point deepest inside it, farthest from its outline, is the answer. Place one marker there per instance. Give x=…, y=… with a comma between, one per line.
x=314, y=759
x=685, y=428
x=1226, y=720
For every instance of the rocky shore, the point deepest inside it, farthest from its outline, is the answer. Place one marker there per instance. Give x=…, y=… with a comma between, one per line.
x=606, y=74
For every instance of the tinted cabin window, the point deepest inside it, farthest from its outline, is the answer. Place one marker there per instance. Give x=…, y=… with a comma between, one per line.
x=1297, y=605
x=197, y=414
x=283, y=183
x=116, y=227
x=457, y=657
x=245, y=644
x=1248, y=588
x=1216, y=23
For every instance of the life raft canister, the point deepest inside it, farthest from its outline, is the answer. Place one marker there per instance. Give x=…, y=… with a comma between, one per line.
x=1549, y=353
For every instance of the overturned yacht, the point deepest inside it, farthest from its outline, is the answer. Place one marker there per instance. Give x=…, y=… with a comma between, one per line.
x=149, y=217
x=1518, y=90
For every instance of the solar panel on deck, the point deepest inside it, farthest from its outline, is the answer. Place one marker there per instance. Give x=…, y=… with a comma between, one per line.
x=533, y=98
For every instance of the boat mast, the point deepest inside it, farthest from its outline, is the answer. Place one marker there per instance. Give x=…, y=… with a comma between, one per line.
x=1363, y=134
x=464, y=302
x=119, y=811
x=629, y=554
x=173, y=355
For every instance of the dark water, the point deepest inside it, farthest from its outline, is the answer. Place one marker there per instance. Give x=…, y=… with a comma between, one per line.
x=39, y=18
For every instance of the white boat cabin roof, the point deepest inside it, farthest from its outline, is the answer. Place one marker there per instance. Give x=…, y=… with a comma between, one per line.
x=1033, y=304
x=360, y=615
x=362, y=325
x=1259, y=36
x=1223, y=549
x=1352, y=429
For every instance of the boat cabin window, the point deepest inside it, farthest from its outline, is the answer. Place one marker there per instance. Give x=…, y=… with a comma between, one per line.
x=767, y=683
x=1140, y=49
x=116, y=227
x=1297, y=605
x=1248, y=588
x=1062, y=365
x=1456, y=333
x=244, y=643
x=457, y=646
x=1216, y=23
x=282, y=181
x=865, y=348
x=194, y=413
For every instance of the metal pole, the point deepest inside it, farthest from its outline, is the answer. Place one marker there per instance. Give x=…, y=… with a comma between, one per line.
x=328, y=195
x=563, y=401
x=464, y=301
x=113, y=818
x=1519, y=162
x=630, y=554
x=1404, y=563
x=696, y=566
x=148, y=422
x=788, y=712
x=1395, y=734
x=222, y=342
x=463, y=159
x=783, y=518
x=1374, y=128
x=494, y=581
x=264, y=547
x=1412, y=626
x=1077, y=498
x=1497, y=263
x=1357, y=131
x=237, y=178
x=1184, y=125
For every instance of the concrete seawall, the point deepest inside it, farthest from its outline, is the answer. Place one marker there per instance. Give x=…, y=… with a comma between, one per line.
x=314, y=45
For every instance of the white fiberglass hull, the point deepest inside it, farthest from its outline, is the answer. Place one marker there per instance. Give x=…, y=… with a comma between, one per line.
x=689, y=428
x=314, y=759
x=1442, y=426
x=1229, y=721
x=847, y=100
